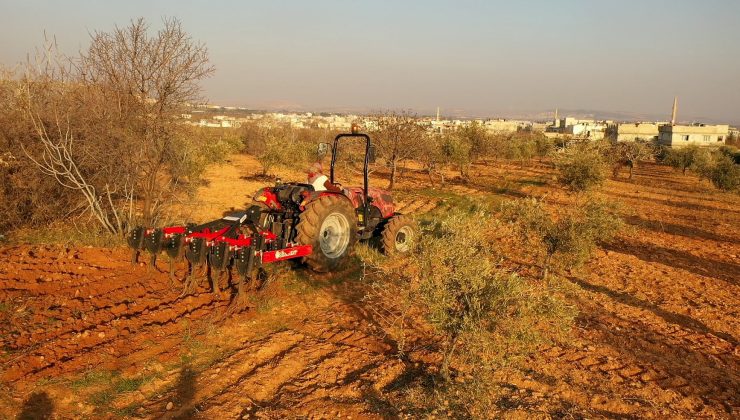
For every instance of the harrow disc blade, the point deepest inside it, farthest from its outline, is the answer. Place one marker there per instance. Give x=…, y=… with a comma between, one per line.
x=196, y=252
x=153, y=241
x=175, y=245
x=136, y=238
x=244, y=261
x=219, y=256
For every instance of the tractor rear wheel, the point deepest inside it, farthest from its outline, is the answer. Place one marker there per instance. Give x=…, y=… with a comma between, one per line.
x=329, y=225
x=399, y=235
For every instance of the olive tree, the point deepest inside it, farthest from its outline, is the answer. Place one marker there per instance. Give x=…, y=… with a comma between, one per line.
x=457, y=150
x=481, y=316
x=725, y=173
x=683, y=158
x=582, y=167
x=567, y=239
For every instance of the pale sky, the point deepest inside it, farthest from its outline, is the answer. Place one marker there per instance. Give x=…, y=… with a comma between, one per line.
x=475, y=57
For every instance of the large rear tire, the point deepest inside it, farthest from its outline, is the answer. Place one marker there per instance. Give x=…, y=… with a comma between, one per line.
x=329, y=225
x=399, y=235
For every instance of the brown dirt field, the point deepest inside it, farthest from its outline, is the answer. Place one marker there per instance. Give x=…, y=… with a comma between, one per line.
x=83, y=334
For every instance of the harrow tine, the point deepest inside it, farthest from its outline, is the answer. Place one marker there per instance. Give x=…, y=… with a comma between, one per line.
x=174, y=249
x=215, y=276
x=191, y=280
x=244, y=262
x=172, y=270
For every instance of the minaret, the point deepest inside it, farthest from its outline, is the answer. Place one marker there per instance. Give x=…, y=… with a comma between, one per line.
x=557, y=120
x=437, y=113
x=675, y=110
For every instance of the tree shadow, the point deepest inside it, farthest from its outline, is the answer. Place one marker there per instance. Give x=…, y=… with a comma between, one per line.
x=671, y=317
x=727, y=272
x=711, y=378
x=661, y=182
x=499, y=190
x=38, y=406
x=679, y=230
x=679, y=204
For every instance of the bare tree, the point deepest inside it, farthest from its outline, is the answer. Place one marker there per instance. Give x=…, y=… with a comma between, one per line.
x=399, y=138
x=151, y=78
x=629, y=154
x=105, y=123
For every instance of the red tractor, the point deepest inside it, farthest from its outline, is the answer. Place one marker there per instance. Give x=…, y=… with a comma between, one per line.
x=287, y=221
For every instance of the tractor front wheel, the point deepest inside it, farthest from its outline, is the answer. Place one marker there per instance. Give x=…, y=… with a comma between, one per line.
x=399, y=235
x=329, y=225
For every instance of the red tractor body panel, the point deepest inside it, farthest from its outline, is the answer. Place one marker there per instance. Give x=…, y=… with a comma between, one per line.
x=380, y=198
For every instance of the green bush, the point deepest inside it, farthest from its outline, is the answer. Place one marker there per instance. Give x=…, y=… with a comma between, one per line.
x=483, y=316
x=725, y=173
x=565, y=241
x=683, y=158
x=582, y=167
x=732, y=152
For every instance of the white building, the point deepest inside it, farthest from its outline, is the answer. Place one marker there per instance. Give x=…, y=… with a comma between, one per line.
x=583, y=129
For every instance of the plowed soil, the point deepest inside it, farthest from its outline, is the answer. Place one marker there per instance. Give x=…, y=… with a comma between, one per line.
x=84, y=334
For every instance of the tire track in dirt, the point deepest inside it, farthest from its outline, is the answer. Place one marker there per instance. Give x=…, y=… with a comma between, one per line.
x=416, y=206
x=93, y=321
x=647, y=354
x=295, y=372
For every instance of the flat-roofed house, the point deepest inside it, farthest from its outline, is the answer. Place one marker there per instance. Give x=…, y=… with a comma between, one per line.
x=696, y=134
x=633, y=131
